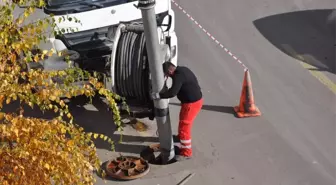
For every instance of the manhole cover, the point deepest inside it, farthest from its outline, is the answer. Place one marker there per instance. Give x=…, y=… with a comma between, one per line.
x=127, y=168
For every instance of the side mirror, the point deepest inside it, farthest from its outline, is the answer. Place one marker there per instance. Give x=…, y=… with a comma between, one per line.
x=166, y=22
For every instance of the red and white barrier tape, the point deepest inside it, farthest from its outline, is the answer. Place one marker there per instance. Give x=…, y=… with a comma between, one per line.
x=209, y=35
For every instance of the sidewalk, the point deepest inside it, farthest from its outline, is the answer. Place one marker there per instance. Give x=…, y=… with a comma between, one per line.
x=134, y=142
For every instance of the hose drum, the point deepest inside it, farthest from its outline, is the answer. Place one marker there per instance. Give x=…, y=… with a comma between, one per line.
x=132, y=75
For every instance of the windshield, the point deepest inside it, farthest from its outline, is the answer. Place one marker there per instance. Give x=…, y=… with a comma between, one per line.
x=62, y=7
x=61, y=2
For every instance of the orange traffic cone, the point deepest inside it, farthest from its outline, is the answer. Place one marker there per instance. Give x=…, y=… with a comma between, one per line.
x=246, y=107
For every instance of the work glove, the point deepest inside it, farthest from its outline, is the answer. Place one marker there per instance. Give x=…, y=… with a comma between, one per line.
x=155, y=96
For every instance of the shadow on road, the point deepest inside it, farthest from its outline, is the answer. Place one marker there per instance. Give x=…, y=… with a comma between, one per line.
x=126, y=147
x=308, y=36
x=100, y=120
x=215, y=108
x=136, y=148
x=13, y=107
x=96, y=119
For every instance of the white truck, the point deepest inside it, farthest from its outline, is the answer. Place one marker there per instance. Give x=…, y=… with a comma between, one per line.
x=107, y=41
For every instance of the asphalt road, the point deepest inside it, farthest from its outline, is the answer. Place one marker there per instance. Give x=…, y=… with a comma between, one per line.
x=294, y=141
x=290, y=54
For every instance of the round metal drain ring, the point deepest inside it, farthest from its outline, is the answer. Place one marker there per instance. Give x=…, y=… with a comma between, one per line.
x=127, y=168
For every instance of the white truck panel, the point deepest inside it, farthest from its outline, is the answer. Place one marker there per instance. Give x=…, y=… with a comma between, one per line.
x=103, y=17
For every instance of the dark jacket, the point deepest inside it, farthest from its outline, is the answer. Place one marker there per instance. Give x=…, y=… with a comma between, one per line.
x=185, y=86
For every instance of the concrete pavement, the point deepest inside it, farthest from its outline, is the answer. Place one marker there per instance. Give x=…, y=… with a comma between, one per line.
x=294, y=141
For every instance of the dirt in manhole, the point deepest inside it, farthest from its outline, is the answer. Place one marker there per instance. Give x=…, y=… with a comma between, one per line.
x=152, y=155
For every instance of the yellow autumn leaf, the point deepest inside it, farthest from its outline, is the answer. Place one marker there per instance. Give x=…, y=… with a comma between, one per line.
x=70, y=143
x=36, y=58
x=16, y=131
x=62, y=104
x=95, y=136
x=41, y=3
x=2, y=116
x=20, y=21
x=82, y=91
x=63, y=130
x=47, y=166
x=68, y=95
x=57, y=92
x=52, y=98
x=14, y=97
x=51, y=52
x=15, y=169
x=13, y=57
x=26, y=14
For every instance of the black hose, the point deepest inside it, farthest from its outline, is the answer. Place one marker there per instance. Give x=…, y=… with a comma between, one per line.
x=131, y=67
x=141, y=74
x=145, y=70
x=135, y=66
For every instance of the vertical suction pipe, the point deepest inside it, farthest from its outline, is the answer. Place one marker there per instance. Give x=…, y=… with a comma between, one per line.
x=156, y=58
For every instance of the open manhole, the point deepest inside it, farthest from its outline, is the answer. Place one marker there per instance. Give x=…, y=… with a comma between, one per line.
x=152, y=155
x=127, y=168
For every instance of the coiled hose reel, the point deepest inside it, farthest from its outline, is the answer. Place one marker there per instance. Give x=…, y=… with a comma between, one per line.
x=132, y=74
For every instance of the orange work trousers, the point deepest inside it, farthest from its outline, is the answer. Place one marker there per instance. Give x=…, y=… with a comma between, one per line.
x=188, y=113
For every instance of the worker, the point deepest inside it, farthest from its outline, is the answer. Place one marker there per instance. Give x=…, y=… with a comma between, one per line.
x=186, y=87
